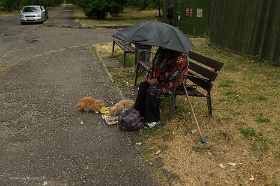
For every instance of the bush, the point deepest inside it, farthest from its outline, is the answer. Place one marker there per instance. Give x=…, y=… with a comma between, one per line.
x=98, y=9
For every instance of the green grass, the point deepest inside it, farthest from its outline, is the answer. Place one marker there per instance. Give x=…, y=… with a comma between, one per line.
x=181, y=110
x=260, y=98
x=248, y=131
x=146, y=133
x=232, y=94
x=263, y=139
x=146, y=152
x=200, y=148
x=226, y=83
x=263, y=120
x=123, y=77
x=276, y=180
x=260, y=147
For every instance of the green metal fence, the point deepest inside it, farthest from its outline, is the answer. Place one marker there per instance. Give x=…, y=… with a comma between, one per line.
x=251, y=27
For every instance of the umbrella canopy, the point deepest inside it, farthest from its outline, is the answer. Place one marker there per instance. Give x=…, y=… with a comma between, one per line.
x=155, y=33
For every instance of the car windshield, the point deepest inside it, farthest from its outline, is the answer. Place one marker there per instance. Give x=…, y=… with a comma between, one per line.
x=31, y=9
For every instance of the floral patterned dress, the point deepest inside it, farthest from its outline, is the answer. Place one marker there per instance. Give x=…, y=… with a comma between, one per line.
x=167, y=64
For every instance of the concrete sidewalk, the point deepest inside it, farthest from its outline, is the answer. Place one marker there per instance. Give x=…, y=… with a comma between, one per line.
x=62, y=16
x=46, y=141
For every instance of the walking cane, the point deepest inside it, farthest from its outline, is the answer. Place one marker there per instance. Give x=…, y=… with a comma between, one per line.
x=201, y=138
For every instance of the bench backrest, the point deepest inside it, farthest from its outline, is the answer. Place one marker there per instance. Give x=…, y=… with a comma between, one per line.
x=126, y=46
x=203, y=70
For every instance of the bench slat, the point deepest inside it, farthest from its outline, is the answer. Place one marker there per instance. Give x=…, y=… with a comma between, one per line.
x=203, y=71
x=201, y=82
x=206, y=61
x=125, y=46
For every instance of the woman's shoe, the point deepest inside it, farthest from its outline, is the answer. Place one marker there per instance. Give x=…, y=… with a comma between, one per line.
x=151, y=124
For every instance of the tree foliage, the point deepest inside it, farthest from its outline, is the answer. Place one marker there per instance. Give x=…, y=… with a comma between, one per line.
x=98, y=9
x=145, y=4
x=10, y=5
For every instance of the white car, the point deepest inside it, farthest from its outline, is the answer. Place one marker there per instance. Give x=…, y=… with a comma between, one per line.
x=33, y=13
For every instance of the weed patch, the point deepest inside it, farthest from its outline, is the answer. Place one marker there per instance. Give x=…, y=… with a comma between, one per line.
x=200, y=148
x=260, y=147
x=248, y=131
x=262, y=120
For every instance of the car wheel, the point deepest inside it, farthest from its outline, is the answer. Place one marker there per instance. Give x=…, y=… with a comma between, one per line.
x=22, y=23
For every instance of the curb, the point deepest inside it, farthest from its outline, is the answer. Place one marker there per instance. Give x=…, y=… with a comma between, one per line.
x=107, y=71
x=88, y=27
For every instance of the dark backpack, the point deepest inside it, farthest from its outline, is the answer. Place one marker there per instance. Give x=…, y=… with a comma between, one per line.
x=130, y=120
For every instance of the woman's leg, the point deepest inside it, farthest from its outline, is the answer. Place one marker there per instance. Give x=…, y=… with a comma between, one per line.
x=141, y=97
x=152, y=113
x=154, y=94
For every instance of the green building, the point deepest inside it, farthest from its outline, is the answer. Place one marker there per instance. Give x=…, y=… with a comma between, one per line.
x=190, y=16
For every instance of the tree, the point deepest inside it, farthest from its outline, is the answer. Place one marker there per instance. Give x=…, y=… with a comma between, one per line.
x=82, y=3
x=98, y=9
x=8, y=5
x=145, y=4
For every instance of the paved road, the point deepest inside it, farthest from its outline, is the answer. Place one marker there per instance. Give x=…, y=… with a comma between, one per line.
x=43, y=139
x=20, y=42
x=62, y=16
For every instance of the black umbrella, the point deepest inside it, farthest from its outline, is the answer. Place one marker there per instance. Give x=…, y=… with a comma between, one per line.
x=155, y=33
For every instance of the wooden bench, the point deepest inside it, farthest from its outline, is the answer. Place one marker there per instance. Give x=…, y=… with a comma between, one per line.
x=202, y=74
x=125, y=46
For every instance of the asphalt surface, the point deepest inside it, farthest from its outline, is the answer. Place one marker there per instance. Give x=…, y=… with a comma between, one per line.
x=44, y=140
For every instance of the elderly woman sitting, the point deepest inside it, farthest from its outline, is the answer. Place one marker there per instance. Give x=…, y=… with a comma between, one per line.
x=167, y=64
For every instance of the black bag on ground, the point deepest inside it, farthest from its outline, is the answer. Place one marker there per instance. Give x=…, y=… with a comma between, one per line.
x=130, y=120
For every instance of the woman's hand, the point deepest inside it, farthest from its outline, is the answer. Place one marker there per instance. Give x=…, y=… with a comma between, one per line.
x=153, y=81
